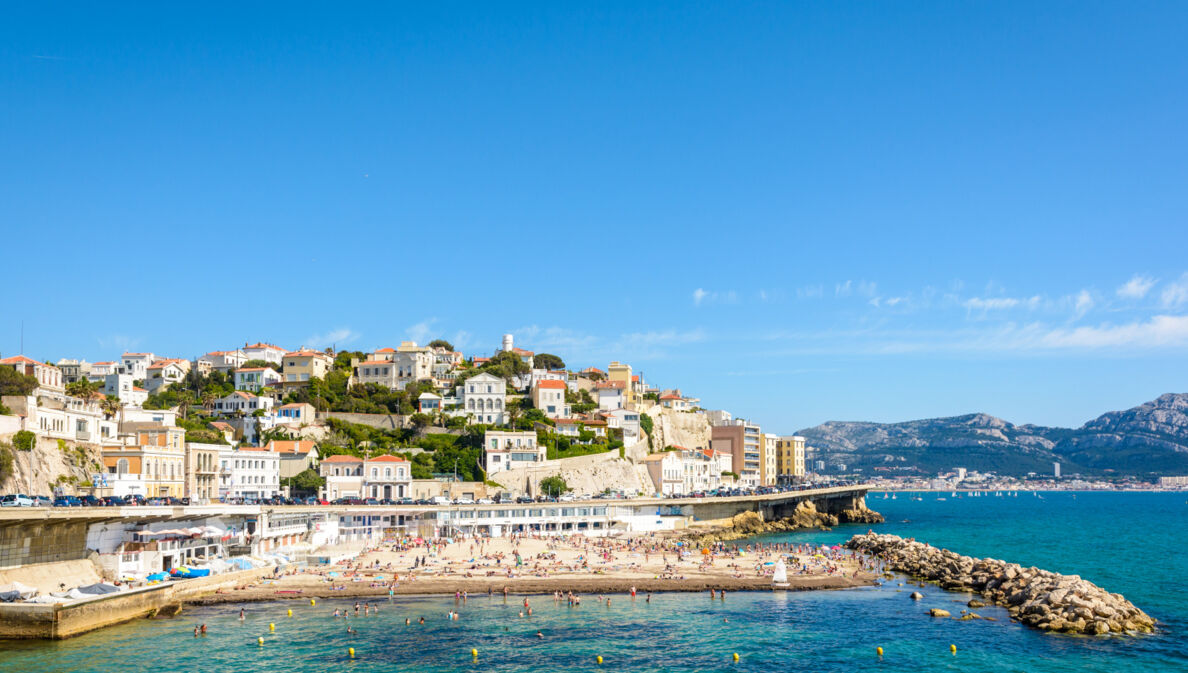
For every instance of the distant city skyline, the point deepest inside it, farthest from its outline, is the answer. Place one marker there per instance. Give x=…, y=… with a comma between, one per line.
x=795, y=213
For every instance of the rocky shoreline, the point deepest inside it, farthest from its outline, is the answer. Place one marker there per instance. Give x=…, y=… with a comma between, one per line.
x=805, y=516
x=1038, y=598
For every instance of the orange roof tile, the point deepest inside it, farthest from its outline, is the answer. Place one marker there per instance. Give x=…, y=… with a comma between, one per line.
x=342, y=459
x=21, y=359
x=550, y=383
x=387, y=459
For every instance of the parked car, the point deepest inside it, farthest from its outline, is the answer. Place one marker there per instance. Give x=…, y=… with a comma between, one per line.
x=370, y=501
x=91, y=501
x=440, y=500
x=464, y=501
x=16, y=500
x=67, y=501
x=486, y=501
x=568, y=497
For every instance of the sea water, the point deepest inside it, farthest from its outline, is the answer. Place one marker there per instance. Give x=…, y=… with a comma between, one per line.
x=1126, y=542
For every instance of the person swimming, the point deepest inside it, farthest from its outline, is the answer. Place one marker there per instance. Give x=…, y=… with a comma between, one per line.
x=241, y=614
x=539, y=634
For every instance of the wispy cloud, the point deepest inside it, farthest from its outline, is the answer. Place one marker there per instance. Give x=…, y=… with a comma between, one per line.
x=336, y=337
x=811, y=291
x=122, y=342
x=996, y=303
x=860, y=288
x=703, y=296
x=422, y=331
x=1175, y=294
x=1136, y=288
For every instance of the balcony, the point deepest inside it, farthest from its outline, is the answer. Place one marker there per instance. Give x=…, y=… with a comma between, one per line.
x=82, y=435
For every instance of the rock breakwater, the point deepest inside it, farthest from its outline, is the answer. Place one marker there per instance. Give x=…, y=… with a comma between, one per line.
x=806, y=515
x=1038, y=598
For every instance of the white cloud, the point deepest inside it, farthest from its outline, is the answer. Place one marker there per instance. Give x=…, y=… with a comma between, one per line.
x=462, y=340
x=422, y=331
x=702, y=296
x=990, y=303
x=336, y=337
x=660, y=338
x=1175, y=293
x=1137, y=287
x=1161, y=331
x=1082, y=303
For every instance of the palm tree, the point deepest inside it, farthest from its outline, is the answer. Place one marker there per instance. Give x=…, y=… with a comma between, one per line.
x=208, y=399
x=184, y=399
x=112, y=406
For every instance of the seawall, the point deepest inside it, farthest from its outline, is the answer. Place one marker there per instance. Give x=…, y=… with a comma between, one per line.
x=63, y=620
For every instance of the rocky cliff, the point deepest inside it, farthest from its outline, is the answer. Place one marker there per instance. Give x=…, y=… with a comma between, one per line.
x=1149, y=439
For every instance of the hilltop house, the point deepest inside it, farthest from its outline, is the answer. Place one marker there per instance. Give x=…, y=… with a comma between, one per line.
x=225, y=361
x=548, y=395
x=298, y=413
x=344, y=477
x=162, y=373
x=484, y=397
x=611, y=395
x=49, y=377
x=264, y=351
x=135, y=365
x=296, y=456
x=303, y=365
x=252, y=379
x=241, y=402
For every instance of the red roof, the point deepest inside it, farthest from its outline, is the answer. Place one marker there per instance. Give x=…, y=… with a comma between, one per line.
x=305, y=353
x=387, y=459
x=376, y=362
x=550, y=383
x=290, y=446
x=670, y=396
x=251, y=369
x=610, y=384
x=386, y=350
x=262, y=345
x=521, y=351
x=292, y=405
x=21, y=359
x=342, y=459
x=592, y=370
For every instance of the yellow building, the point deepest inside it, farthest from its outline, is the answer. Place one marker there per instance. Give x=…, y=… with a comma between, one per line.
x=619, y=371
x=303, y=365
x=768, y=459
x=153, y=452
x=790, y=456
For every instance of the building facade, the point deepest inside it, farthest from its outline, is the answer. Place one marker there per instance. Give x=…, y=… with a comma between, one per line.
x=505, y=450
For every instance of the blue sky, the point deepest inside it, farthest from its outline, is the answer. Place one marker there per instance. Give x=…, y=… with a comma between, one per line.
x=798, y=212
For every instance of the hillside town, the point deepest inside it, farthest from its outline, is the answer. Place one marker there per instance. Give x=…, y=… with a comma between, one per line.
x=261, y=422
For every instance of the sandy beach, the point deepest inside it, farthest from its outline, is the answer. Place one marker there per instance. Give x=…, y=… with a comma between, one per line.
x=545, y=565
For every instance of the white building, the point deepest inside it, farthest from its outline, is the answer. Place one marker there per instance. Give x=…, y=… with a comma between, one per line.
x=610, y=395
x=101, y=370
x=507, y=450
x=162, y=373
x=252, y=379
x=248, y=472
x=413, y=363
x=224, y=361
x=628, y=421
x=264, y=351
x=483, y=397
x=136, y=365
x=548, y=395
x=242, y=402
x=63, y=417
x=344, y=477
x=121, y=387
x=684, y=471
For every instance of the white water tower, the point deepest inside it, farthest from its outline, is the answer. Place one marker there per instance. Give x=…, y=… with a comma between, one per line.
x=507, y=342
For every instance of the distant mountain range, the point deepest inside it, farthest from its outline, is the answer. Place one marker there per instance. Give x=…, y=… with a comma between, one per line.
x=1150, y=439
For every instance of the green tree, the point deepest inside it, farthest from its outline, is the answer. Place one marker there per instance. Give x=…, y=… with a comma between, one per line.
x=24, y=440
x=306, y=482
x=548, y=361
x=553, y=485
x=13, y=382
x=419, y=420
x=6, y=462
x=442, y=343
x=252, y=364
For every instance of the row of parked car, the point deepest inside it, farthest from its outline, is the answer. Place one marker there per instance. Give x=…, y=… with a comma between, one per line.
x=22, y=500
x=761, y=490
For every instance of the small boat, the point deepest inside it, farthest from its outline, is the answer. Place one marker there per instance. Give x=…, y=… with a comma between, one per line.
x=779, y=576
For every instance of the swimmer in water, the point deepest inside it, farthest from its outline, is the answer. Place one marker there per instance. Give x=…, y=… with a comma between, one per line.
x=241, y=614
x=204, y=629
x=539, y=634
x=407, y=621
x=422, y=621
x=195, y=631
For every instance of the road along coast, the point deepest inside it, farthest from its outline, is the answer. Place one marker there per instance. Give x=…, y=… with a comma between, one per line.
x=1038, y=598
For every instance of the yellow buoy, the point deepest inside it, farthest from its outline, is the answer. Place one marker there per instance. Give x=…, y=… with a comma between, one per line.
x=953, y=649
x=736, y=656
x=290, y=612
x=600, y=658
x=312, y=602
x=879, y=651
x=271, y=626
x=474, y=652
x=260, y=641
x=351, y=651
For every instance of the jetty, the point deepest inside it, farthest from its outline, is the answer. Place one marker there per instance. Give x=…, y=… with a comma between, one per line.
x=1037, y=598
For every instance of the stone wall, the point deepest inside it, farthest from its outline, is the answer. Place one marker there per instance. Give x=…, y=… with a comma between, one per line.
x=42, y=542
x=381, y=421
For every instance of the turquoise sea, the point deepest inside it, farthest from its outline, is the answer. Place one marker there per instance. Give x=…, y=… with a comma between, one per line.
x=1127, y=542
